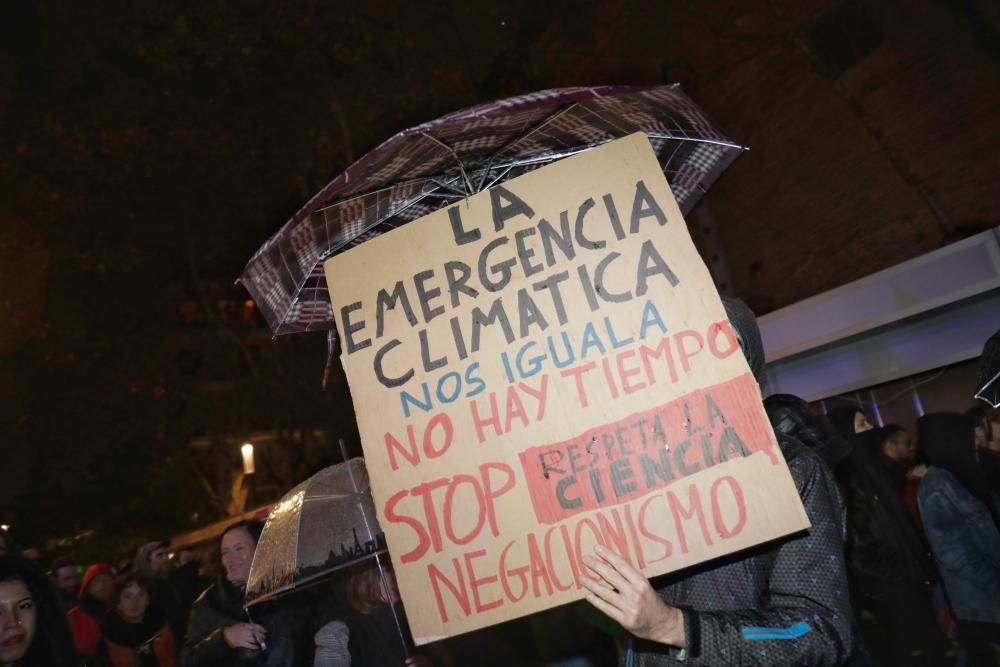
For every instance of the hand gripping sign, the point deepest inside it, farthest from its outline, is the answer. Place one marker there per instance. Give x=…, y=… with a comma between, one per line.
x=542, y=367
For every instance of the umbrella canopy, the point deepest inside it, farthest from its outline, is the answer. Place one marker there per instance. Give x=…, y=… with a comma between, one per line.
x=989, y=372
x=324, y=524
x=429, y=166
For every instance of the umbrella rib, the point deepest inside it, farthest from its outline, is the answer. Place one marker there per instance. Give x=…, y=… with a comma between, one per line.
x=608, y=120
x=573, y=151
x=341, y=202
x=461, y=166
x=448, y=186
x=537, y=128
x=499, y=177
x=981, y=394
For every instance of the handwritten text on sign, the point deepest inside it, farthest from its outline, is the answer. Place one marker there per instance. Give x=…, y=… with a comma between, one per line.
x=541, y=367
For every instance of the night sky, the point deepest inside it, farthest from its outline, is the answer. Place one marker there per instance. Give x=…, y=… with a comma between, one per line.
x=150, y=147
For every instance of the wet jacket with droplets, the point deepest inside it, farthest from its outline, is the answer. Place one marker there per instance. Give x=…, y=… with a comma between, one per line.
x=785, y=603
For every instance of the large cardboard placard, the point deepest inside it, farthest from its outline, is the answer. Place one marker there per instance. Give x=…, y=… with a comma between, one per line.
x=544, y=366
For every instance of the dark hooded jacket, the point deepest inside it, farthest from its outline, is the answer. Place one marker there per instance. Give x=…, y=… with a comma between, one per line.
x=85, y=618
x=842, y=420
x=784, y=603
x=790, y=415
x=884, y=548
x=289, y=632
x=958, y=513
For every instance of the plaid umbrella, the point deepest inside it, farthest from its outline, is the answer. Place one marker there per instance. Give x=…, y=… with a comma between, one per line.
x=429, y=166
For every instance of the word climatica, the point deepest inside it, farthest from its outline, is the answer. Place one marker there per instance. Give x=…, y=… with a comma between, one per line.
x=525, y=254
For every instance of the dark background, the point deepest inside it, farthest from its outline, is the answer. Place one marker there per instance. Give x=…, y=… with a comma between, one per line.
x=150, y=147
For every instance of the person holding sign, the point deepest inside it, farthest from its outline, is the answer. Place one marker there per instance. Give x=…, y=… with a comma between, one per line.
x=779, y=604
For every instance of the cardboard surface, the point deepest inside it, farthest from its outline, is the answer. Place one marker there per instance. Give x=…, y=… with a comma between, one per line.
x=543, y=366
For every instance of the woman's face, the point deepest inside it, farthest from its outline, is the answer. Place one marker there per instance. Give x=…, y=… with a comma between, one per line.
x=861, y=423
x=237, y=554
x=101, y=587
x=132, y=603
x=17, y=620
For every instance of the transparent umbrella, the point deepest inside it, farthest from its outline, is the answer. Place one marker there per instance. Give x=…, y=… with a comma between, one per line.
x=323, y=525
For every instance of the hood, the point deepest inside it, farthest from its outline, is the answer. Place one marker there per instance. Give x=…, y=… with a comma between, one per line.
x=948, y=440
x=93, y=571
x=744, y=323
x=142, y=564
x=790, y=415
x=867, y=445
x=842, y=420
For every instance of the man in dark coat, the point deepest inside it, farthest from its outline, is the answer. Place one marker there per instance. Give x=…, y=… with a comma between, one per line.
x=784, y=603
x=892, y=571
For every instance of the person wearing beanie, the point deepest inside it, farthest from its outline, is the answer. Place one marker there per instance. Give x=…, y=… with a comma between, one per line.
x=85, y=618
x=172, y=589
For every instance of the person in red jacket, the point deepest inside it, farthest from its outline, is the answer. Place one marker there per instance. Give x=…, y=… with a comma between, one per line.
x=85, y=617
x=137, y=634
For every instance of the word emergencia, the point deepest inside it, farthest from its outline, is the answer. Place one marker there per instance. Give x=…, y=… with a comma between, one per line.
x=544, y=367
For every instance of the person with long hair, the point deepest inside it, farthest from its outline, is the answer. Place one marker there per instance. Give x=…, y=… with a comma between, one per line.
x=33, y=631
x=374, y=609
x=137, y=634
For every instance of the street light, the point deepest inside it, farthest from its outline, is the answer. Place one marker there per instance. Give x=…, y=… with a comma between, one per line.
x=4, y=527
x=247, y=450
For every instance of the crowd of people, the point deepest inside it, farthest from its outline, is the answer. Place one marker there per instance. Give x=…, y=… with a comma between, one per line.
x=901, y=566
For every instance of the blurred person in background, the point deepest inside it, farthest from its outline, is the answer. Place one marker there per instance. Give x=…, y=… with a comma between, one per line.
x=136, y=634
x=899, y=457
x=64, y=578
x=174, y=587
x=892, y=575
x=987, y=443
x=898, y=446
x=993, y=446
x=959, y=513
x=374, y=639
x=848, y=420
x=94, y=601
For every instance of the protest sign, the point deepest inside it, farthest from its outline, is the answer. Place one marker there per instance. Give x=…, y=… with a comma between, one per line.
x=544, y=366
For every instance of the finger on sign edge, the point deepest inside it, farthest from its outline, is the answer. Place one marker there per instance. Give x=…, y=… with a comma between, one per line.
x=598, y=582
x=609, y=573
x=623, y=567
